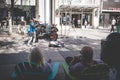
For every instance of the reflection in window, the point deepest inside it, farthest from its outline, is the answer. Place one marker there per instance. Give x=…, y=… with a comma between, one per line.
x=86, y=1
x=104, y=0
x=116, y=0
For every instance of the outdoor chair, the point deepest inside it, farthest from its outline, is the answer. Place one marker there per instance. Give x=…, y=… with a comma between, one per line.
x=94, y=72
x=31, y=71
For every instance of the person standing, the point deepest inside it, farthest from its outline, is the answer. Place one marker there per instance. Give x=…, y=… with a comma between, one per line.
x=39, y=27
x=113, y=22
x=85, y=23
x=68, y=19
x=32, y=32
x=39, y=20
x=73, y=23
x=19, y=24
x=79, y=23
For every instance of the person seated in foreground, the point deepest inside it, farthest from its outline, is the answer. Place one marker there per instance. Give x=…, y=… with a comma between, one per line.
x=37, y=58
x=110, y=52
x=81, y=62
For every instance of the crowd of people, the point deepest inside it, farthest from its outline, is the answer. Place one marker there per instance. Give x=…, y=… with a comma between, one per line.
x=109, y=51
x=109, y=55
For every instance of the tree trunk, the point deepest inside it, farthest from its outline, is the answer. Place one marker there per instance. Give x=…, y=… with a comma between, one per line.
x=37, y=8
x=9, y=22
x=10, y=15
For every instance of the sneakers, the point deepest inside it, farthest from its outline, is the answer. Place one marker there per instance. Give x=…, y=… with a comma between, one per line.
x=29, y=44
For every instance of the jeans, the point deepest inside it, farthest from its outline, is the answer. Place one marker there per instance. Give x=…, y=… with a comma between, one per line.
x=32, y=37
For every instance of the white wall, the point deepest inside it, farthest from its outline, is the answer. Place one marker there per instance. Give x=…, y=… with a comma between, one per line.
x=95, y=21
x=41, y=10
x=48, y=11
x=45, y=11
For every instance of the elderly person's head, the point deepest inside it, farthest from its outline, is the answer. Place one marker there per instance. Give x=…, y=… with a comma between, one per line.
x=36, y=56
x=87, y=54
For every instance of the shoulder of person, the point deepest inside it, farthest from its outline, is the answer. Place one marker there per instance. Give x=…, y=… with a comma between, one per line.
x=98, y=62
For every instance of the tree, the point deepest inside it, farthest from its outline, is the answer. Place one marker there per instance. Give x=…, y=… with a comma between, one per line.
x=10, y=12
x=37, y=8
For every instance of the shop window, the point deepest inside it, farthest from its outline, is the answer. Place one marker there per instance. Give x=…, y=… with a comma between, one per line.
x=116, y=0
x=104, y=0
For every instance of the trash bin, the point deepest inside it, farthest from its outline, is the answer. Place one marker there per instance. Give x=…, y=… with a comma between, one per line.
x=118, y=28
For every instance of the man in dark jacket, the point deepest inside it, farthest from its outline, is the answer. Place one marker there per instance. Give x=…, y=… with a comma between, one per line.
x=110, y=51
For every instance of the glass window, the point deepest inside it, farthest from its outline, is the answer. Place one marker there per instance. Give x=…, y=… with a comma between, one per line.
x=104, y=0
x=116, y=0
x=86, y=1
x=81, y=1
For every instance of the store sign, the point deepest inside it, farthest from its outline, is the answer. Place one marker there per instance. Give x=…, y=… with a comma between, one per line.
x=112, y=8
x=76, y=2
x=22, y=2
x=28, y=2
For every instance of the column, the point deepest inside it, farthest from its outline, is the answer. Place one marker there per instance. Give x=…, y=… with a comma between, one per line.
x=53, y=11
x=41, y=10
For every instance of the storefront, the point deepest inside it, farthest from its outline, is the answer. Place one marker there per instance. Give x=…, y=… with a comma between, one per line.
x=110, y=9
x=23, y=11
x=21, y=8
x=80, y=13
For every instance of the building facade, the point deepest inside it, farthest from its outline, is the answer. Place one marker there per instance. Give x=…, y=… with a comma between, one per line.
x=110, y=9
x=95, y=12
x=81, y=10
x=21, y=8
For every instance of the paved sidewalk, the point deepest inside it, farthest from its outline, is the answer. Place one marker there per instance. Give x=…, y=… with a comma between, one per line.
x=16, y=50
x=89, y=33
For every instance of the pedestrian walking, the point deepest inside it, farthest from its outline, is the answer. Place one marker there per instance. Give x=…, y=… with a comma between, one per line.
x=113, y=22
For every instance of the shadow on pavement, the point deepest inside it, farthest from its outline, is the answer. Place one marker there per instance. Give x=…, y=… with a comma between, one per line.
x=6, y=43
x=8, y=61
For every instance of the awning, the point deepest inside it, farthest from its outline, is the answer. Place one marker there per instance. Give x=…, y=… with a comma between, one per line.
x=77, y=7
x=110, y=10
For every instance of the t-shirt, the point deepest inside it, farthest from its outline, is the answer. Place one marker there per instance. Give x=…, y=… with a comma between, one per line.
x=113, y=22
x=76, y=69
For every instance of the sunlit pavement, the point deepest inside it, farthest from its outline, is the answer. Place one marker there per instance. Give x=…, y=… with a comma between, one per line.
x=16, y=50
